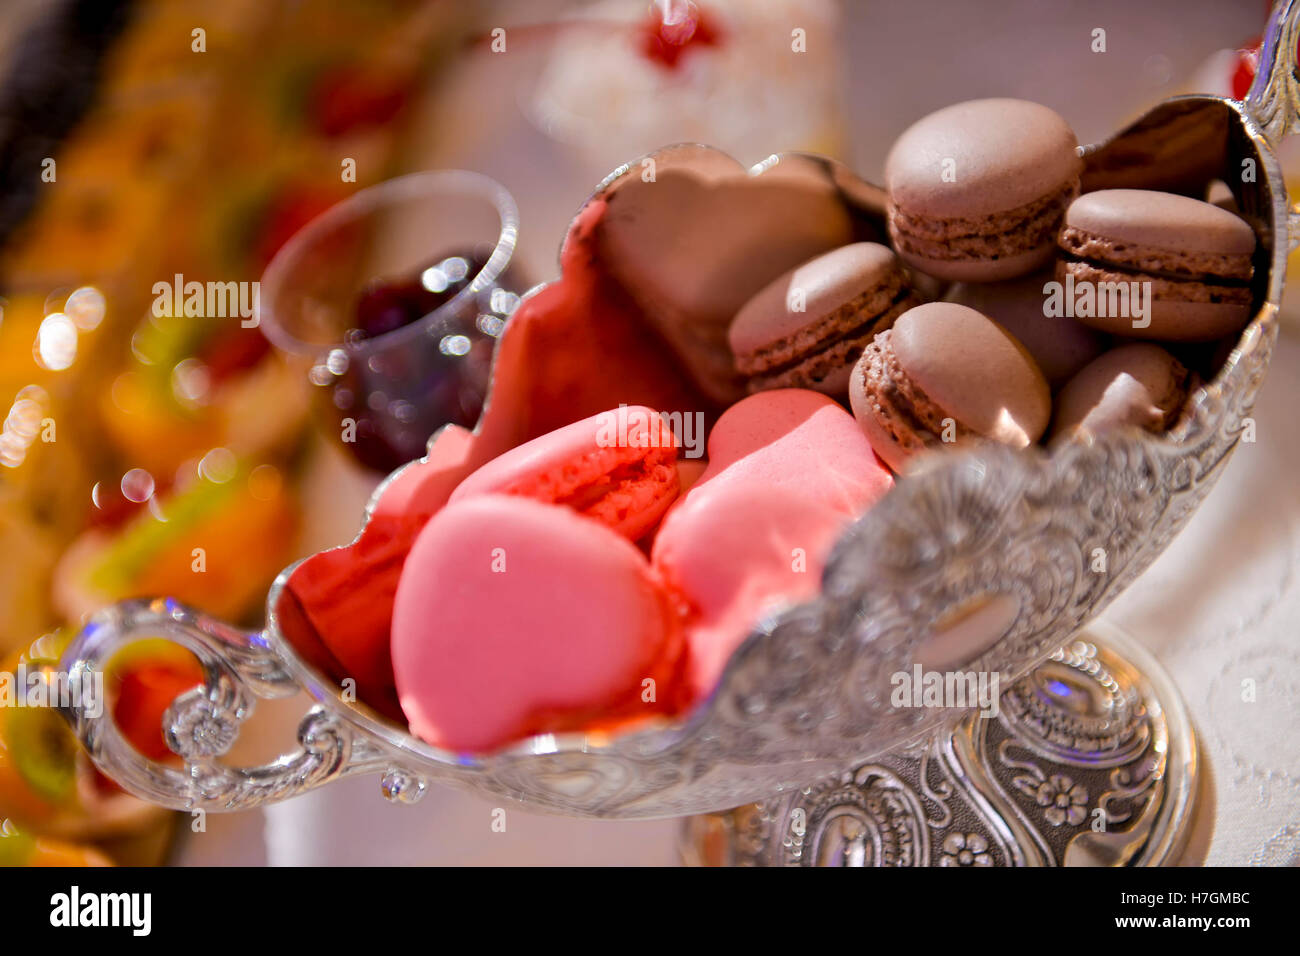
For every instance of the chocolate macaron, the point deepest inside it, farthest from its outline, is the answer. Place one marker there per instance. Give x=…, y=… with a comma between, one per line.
x=1139, y=384
x=946, y=373
x=1059, y=344
x=807, y=328
x=977, y=190
x=1156, y=265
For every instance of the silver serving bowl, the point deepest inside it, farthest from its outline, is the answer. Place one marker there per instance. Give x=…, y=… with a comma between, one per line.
x=985, y=560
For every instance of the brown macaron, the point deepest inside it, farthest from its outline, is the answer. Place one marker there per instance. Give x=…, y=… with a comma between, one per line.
x=807, y=328
x=1059, y=344
x=977, y=190
x=942, y=374
x=1139, y=384
x=1155, y=265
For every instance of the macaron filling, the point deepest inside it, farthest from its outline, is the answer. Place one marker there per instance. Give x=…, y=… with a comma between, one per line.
x=612, y=485
x=1178, y=275
x=901, y=407
x=1014, y=232
x=613, y=495
x=1079, y=243
x=618, y=467
x=1163, y=286
x=813, y=354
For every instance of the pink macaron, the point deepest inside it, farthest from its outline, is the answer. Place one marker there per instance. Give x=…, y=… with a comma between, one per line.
x=514, y=618
x=618, y=467
x=788, y=470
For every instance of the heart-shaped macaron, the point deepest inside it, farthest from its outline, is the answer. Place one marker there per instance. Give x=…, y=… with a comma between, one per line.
x=691, y=235
x=788, y=470
x=618, y=467
x=515, y=618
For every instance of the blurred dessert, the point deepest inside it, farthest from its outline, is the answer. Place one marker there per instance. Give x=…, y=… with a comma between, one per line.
x=748, y=78
x=50, y=793
x=213, y=543
x=146, y=450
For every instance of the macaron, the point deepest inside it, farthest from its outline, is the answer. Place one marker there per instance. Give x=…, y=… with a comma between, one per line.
x=692, y=242
x=618, y=467
x=946, y=373
x=1156, y=265
x=788, y=470
x=807, y=327
x=977, y=189
x=1059, y=344
x=514, y=618
x=1139, y=384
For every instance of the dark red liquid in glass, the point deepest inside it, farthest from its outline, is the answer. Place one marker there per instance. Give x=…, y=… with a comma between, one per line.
x=386, y=401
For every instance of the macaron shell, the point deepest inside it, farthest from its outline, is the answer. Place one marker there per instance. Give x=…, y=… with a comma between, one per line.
x=824, y=284
x=344, y=597
x=807, y=329
x=514, y=618
x=974, y=370
x=1145, y=218
x=828, y=371
x=894, y=444
x=788, y=470
x=1139, y=384
x=1005, y=153
x=618, y=466
x=732, y=557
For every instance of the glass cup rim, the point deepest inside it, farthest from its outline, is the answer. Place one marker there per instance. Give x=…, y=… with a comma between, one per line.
x=398, y=189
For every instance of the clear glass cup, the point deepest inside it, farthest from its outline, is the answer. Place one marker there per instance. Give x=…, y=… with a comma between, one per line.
x=396, y=296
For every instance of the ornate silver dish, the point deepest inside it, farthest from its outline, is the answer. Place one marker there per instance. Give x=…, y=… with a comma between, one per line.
x=1091, y=761
x=986, y=560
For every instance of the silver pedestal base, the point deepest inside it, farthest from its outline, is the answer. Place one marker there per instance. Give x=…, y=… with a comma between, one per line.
x=1091, y=761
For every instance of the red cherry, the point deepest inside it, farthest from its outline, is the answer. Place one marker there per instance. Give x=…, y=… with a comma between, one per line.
x=666, y=43
x=1243, y=76
x=398, y=398
x=383, y=308
x=1247, y=63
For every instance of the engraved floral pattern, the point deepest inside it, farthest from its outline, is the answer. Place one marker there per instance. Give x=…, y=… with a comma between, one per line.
x=1065, y=801
x=965, y=849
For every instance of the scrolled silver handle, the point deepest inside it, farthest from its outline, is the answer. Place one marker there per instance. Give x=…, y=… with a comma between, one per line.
x=202, y=724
